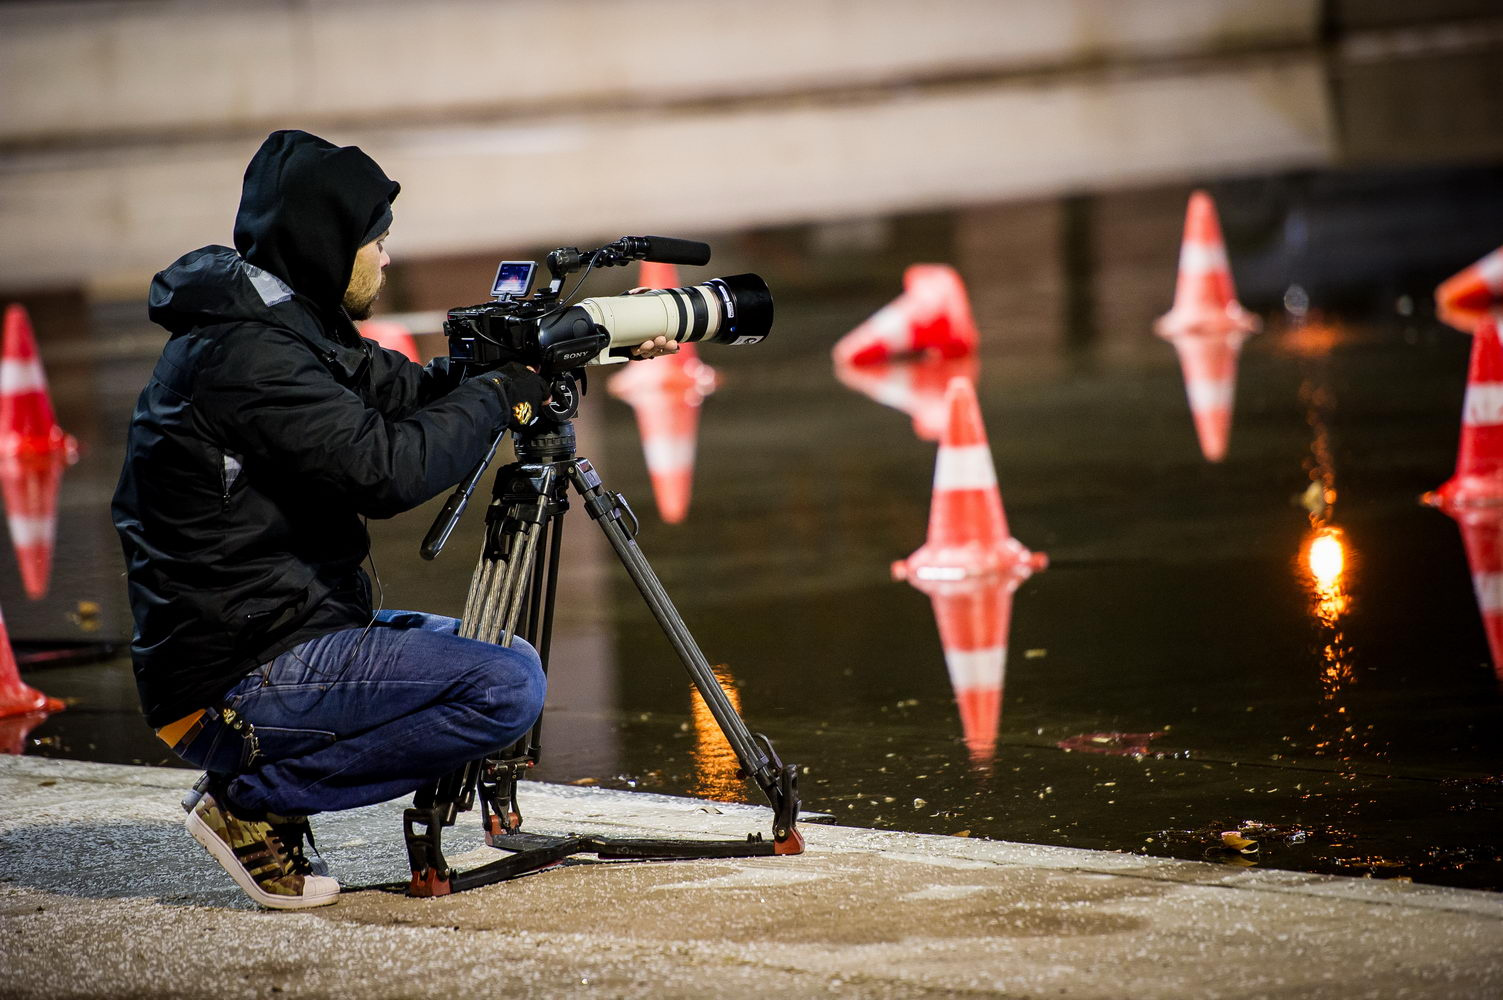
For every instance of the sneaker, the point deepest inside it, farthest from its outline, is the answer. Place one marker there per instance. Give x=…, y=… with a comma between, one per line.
x=257, y=857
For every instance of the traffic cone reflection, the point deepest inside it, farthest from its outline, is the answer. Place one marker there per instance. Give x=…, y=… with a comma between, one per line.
x=1464, y=300
x=29, y=484
x=666, y=394
x=973, y=618
x=16, y=696
x=970, y=567
x=15, y=728
x=1207, y=326
x=932, y=315
x=915, y=386
x=1482, y=535
x=1209, y=366
x=392, y=336
x=28, y=425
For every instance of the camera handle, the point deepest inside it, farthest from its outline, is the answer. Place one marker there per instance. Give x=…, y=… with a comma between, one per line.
x=512, y=593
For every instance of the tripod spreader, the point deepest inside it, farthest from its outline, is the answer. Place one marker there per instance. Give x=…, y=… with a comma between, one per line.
x=512, y=593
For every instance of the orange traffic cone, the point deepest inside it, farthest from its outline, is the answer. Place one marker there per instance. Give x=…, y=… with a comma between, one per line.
x=16, y=697
x=1205, y=300
x=1478, y=480
x=932, y=314
x=30, y=484
x=968, y=535
x=392, y=336
x=916, y=386
x=27, y=423
x=1464, y=300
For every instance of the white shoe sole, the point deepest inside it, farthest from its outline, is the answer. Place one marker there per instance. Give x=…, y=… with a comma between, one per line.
x=318, y=890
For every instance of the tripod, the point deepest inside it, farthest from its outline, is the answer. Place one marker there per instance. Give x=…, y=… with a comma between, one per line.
x=512, y=593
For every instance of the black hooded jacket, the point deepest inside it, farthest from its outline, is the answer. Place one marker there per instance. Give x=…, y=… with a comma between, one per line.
x=270, y=428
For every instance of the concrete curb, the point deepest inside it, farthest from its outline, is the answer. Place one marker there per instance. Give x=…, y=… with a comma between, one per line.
x=101, y=883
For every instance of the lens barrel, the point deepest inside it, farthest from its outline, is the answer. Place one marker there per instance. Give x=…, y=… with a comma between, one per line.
x=733, y=310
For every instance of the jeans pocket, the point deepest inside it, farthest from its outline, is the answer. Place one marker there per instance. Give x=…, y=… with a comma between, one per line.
x=280, y=742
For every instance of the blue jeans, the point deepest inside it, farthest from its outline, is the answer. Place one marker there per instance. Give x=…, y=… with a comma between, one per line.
x=364, y=715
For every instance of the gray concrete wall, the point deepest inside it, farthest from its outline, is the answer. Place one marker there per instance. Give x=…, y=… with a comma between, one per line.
x=127, y=125
x=75, y=70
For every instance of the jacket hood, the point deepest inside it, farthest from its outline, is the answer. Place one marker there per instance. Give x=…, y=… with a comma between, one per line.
x=306, y=207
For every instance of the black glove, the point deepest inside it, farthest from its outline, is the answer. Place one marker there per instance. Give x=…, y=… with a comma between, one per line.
x=522, y=392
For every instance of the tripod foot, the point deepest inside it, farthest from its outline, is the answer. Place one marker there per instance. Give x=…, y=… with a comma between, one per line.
x=790, y=843
x=428, y=883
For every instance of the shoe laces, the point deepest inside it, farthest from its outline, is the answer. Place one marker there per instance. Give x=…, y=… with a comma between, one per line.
x=289, y=832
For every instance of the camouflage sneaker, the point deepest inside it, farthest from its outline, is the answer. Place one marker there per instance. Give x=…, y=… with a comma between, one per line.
x=258, y=859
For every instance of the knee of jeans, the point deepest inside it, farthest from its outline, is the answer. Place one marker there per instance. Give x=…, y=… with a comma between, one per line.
x=514, y=698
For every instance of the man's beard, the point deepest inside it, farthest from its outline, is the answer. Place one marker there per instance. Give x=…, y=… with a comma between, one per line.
x=360, y=299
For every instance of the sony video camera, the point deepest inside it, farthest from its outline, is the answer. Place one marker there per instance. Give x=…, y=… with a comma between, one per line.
x=554, y=336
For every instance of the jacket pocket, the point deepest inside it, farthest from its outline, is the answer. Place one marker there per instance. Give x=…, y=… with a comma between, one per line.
x=277, y=607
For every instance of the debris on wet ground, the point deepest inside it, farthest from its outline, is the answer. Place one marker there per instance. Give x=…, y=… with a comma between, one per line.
x=1118, y=744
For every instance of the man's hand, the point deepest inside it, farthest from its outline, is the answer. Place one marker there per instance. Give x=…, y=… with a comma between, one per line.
x=522, y=391
x=655, y=348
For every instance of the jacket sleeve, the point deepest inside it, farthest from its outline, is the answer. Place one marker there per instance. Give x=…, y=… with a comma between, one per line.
x=402, y=386
x=267, y=396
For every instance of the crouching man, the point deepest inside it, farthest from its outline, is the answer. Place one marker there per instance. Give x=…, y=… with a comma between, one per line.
x=269, y=432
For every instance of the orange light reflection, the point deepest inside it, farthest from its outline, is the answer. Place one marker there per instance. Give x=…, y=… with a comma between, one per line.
x=1325, y=557
x=717, y=772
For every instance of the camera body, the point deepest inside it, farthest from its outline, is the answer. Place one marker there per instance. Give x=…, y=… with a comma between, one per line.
x=553, y=336
x=494, y=333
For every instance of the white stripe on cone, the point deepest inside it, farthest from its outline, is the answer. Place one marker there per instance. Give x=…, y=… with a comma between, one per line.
x=895, y=390
x=1203, y=258
x=25, y=530
x=666, y=454
x=1489, y=588
x=1490, y=270
x=965, y=468
x=976, y=668
x=890, y=326
x=18, y=376
x=1210, y=394
x=1483, y=404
